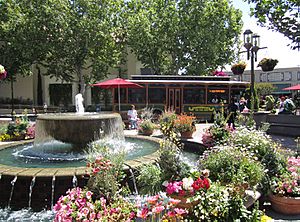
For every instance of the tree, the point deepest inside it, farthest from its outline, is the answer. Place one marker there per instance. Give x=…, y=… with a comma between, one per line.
x=189, y=36
x=65, y=36
x=264, y=89
x=88, y=37
x=281, y=16
x=20, y=41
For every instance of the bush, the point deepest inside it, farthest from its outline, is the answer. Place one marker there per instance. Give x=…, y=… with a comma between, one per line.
x=149, y=179
x=230, y=165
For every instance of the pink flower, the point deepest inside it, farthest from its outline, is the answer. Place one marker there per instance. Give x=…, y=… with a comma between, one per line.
x=219, y=73
x=143, y=213
x=171, y=214
x=158, y=209
x=89, y=195
x=180, y=211
x=152, y=199
x=174, y=201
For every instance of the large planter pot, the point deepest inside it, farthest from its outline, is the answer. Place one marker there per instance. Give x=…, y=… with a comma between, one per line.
x=285, y=205
x=187, y=134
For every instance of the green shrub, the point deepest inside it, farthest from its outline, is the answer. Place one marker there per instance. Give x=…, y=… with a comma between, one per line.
x=230, y=165
x=149, y=179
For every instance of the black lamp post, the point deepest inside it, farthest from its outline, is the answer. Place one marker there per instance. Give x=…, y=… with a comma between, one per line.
x=251, y=43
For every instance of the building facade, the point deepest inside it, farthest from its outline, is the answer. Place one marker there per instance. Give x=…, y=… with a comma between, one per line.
x=38, y=89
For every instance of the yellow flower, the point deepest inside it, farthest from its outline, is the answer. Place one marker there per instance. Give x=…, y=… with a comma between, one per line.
x=265, y=218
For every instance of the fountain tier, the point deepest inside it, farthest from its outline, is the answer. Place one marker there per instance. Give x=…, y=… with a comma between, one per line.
x=78, y=129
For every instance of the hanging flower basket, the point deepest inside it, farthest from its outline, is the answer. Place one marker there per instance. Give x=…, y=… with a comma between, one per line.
x=267, y=64
x=238, y=68
x=2, y=72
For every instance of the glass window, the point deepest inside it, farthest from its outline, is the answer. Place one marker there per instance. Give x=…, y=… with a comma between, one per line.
x=122, y=95
x=194, y=96
x=137, y=96
x=101, y=95
x=217, y=95
x=157, y=95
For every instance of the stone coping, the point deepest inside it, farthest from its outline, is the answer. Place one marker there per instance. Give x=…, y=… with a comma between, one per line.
x=6, y=170
x=77, y=116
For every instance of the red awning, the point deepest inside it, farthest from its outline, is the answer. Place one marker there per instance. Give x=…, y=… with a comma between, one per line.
x=296, y=87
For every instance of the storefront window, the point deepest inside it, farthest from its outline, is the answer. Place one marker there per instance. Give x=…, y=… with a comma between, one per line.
x=217, y=95
x=194, y=96
x=122, y=95
x=137, y=96
x=157, y=95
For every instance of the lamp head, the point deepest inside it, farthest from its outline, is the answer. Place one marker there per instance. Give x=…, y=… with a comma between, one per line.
x=248, y=36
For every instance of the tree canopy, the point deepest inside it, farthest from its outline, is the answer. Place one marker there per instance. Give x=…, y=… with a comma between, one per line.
x=87, y=37
x=64, y=36
x=191, y=36
x=282, y=16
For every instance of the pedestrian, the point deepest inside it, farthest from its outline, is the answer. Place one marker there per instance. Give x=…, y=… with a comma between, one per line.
x=232, y=109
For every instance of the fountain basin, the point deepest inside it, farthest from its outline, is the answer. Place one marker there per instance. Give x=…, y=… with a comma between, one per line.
x=50, y=183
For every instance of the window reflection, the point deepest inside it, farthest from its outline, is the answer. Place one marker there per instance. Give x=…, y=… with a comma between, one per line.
x=194, y=96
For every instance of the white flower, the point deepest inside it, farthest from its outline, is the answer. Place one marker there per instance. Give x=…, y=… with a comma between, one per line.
x=165, y=183
x=187, y=183
x=2, y=70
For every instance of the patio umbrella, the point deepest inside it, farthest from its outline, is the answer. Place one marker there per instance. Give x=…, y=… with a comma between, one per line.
x=296, y=87
x=117, y=83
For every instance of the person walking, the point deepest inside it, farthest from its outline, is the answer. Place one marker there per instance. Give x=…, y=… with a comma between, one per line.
x=232, y=109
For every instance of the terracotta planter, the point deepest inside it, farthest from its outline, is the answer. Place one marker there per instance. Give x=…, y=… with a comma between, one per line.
x=183, y=203
x=285, y=205
x=187, y=134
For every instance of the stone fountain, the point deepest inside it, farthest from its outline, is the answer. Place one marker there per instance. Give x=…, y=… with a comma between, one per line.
x=38, y=187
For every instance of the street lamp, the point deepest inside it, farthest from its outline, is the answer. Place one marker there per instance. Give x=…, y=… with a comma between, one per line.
x=251, y=43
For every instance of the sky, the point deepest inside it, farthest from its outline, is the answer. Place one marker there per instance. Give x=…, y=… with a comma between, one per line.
x=275, y=42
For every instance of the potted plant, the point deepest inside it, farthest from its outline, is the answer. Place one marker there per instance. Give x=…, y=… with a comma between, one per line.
x=285, y=196
x=267, y=64
x=146, y=127
x=185, y=125
x=197, y=182
x=238, y=68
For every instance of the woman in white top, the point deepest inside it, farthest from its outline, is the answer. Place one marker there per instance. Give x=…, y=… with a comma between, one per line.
x=132, y=117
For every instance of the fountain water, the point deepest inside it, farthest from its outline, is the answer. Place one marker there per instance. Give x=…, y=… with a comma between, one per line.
x=133, y=181
x=52, y=192
x=30, y=191
x=74, y=181
x=12, y=189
